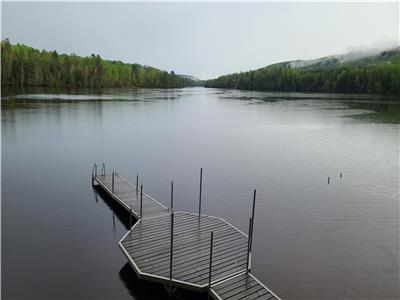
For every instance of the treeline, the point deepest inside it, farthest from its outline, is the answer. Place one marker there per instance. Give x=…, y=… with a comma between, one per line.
x=25, y=66
x=382, y=77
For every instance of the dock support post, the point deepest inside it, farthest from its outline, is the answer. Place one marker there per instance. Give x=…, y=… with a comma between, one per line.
x=172, y=195
x=211, y=252
x=329, y=179
x=201, y=185
x=141, y=201
x=103, y=170
x=94, y=173
x=112, y=187
x=252, y=218
x=137, y=181
x=248, y=248
x=114, y=222
x=130, y=217
x=172, y=245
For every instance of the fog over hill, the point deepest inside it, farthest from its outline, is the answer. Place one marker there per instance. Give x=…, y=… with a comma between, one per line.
x=369, y=71
x=343, y=58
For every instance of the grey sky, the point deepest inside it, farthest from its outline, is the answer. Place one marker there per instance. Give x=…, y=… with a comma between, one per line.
x=202, y=39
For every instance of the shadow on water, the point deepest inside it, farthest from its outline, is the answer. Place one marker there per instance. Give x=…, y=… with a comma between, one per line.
x=120, y=212
x=139, y=289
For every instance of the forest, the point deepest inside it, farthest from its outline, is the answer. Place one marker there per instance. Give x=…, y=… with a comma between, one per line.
x=22, y=65
x=379, y=74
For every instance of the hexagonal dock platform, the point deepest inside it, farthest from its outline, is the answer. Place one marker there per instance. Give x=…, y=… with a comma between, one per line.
x=181, y=249
x=148, y=247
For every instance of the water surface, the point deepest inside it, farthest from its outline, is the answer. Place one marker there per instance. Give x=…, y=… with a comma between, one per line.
x=312, y=240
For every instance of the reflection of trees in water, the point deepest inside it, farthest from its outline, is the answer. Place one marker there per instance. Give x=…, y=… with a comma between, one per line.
x=18, y=110
x=8, y=123
x=377, y=112
x=376, y=107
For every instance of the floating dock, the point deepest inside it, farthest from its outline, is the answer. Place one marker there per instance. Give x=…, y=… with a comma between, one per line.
x=181, y=249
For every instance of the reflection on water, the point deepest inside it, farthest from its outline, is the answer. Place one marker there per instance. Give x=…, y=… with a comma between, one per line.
x=312, y=240
x=386, y=112
x=140, y=289
x=117, y=210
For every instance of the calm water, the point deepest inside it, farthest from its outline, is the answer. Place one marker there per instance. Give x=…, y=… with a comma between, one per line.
x=312, y=240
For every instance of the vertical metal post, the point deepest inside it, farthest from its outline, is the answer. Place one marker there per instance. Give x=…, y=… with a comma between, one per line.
x=172, y=245
x=252, y=218
x=141, y=201
x=93, y=176
x=341, y=175
x=172, y=195
x=137, y=181
x=103, y=170
x=130, y=217
x=94, y=171
x=248, y=248
x=329, y=179
x=211, y=252
x=112, y=187
x=201, y=184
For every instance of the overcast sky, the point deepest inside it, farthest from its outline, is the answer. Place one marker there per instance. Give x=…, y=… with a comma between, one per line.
x=202, y=39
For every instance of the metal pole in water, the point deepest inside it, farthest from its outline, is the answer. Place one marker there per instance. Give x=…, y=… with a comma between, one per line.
x=252, y=218
x=141, y=200
x=93, y=174
x=137, y=181
x=248, y=248
x=341, y=175
x=112, y=188
x=172, y=195
x=329, y=179
x=130, y=217
x=211, y=252
x=172, y=245
x=201, y=184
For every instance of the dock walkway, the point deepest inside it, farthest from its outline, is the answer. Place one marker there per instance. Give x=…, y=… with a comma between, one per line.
x=182, y=249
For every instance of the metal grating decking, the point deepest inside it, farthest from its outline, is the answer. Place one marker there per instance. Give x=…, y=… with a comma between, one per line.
x=147, y=246
x=129, y=197
x=242, y=287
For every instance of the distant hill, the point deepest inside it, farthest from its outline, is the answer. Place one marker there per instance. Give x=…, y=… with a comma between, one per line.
x=192, y=81
x=22, y=65
x=372, y=71
x=356, y=58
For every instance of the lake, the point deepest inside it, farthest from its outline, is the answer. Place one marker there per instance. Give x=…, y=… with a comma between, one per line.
x=312, y=240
